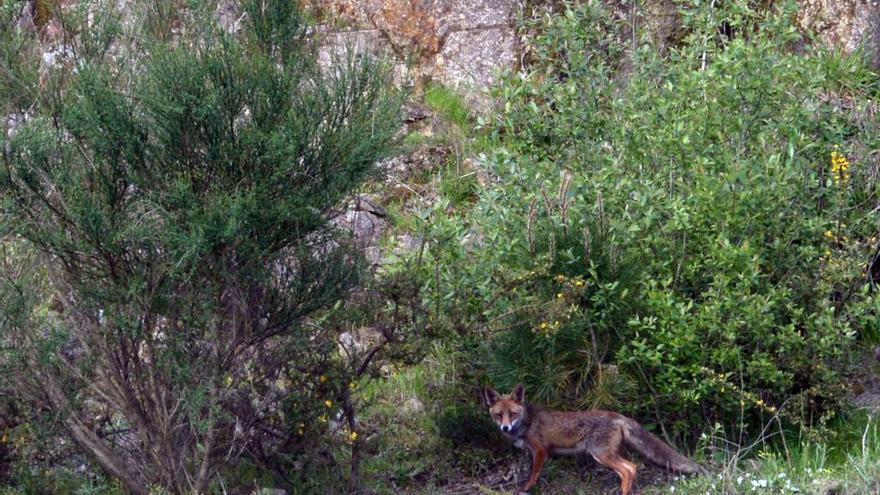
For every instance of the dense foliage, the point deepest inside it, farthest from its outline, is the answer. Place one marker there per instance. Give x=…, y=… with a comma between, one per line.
x=683, y=237
x=683, y=234
x=166, y=185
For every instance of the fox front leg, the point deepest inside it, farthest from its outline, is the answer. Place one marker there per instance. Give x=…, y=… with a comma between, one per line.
x=539, y=455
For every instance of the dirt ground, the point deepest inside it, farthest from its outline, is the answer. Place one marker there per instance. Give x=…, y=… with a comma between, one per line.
x=562, y=475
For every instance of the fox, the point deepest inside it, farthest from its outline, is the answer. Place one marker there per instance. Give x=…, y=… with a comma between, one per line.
x=601, y=434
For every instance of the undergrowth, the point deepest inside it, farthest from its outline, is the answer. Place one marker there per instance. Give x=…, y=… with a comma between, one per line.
x=685, y=242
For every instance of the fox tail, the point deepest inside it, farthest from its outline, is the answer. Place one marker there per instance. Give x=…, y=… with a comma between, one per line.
x=636, y=437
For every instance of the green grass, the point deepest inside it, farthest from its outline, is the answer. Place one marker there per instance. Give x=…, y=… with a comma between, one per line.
x=401, y=440
x=425, y=450
x=458, y=184
x=60, y=480
x=416, y=139
x=421, y=453
x=448, y=105
x=454, y=180
x=847, y=464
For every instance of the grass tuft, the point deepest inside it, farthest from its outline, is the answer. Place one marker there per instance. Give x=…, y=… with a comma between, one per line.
x=448, y=104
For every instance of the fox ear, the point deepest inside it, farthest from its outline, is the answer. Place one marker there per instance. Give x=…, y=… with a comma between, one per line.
x=490, y=396
x=519, y=392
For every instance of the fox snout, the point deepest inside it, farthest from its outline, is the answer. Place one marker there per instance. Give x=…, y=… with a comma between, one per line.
x=507, y=428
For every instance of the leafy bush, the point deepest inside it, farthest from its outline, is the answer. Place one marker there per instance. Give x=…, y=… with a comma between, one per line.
x=680, y=237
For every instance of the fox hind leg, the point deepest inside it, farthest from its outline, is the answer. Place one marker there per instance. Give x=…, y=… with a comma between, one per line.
x=625, y=469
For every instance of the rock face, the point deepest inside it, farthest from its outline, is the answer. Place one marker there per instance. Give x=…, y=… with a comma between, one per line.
x=469, y=61
x=459, y=43
x=844, y=24
x=336, y=45
x=663, y=22
x=463, y=43
x=840, y=24
x=366, y=222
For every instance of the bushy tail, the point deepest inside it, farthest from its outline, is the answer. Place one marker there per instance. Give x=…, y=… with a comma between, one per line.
x=657, y=451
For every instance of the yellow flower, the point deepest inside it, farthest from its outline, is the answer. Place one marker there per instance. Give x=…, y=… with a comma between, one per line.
x=559, y=295
x=322, y=378
x=543, y=325
x=829, y=234
x=579, y=283
x=839, y=167
x=328, y=403
x=353, y=436
x=352, y=385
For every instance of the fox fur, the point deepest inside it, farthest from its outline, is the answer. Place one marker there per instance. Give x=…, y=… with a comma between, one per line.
x=601, y=434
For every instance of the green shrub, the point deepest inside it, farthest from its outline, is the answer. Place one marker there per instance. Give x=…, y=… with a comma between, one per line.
x=171, y=185
x=683, y=238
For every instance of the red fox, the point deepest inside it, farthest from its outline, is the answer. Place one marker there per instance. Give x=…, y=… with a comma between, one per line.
x=598, y=433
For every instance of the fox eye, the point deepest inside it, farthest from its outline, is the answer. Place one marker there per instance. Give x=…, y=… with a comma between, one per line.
x=513, y=415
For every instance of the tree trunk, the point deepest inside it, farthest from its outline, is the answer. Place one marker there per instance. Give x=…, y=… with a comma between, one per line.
x=89, y=441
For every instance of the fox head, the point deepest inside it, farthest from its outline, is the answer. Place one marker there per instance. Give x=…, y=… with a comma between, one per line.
x=507, y=410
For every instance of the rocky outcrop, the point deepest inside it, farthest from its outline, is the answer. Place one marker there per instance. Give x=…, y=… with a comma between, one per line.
x=366, y=222
x=461, y=44
x=844, y=24
x=663, y=22
x=469, y=61
x=840, y=24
